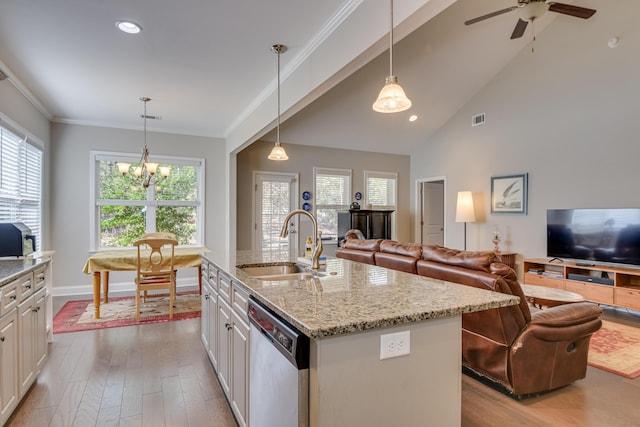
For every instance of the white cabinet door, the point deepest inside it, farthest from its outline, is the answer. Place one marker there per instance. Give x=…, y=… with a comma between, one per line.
x=213, y=329
x=240, y=377
x=40, y=333
x=8, y=363
x=26, y=330
x=205, y=313
x=224, y=345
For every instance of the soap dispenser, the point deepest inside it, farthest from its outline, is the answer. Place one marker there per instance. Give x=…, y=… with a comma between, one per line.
x=308, y=247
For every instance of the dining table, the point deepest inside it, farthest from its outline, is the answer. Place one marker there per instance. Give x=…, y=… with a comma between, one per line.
x=102, y=262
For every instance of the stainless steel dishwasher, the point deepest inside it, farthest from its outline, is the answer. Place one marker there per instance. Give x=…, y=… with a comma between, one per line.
x=278, y=371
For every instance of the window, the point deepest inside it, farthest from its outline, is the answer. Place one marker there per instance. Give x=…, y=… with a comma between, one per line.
x=20, y=182
x=332, y=190
x=381, y=189
x=123, y=210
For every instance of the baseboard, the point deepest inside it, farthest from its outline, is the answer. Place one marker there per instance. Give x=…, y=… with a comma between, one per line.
x=117, y=289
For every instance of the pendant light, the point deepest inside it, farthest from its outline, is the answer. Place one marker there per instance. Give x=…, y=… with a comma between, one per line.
x=392, y=98
x=277, y=152
x=145, y=174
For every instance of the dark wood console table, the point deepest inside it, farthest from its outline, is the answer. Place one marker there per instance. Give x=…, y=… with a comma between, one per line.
x=374, y=224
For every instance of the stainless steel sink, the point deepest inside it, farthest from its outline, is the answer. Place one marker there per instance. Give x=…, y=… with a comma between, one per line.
x=272, y=269
x=291, y=276
x=280, y=271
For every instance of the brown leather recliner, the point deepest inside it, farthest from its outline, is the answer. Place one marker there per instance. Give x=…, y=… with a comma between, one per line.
x=524, y=352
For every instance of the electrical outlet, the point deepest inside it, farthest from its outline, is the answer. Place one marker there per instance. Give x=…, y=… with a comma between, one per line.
x=394, y=345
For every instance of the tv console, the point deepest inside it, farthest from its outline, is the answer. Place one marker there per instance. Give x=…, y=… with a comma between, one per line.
x=604, y=284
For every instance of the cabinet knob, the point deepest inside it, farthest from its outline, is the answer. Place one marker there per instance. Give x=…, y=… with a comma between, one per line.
x=13, y=297
x=206, y=296
x=229, y=327
x=1, y=339
x=28, y=286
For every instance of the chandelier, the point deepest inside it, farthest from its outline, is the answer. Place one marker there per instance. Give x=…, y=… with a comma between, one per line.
x=146, y=173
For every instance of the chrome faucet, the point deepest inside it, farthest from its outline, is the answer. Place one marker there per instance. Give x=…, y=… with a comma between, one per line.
x=316, y=248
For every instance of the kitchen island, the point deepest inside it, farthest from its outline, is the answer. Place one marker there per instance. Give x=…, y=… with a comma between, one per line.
x=345, y=312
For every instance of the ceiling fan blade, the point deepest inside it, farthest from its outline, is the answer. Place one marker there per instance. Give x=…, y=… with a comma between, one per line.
x=568, y=9
x=518, y=31
x=490, y=15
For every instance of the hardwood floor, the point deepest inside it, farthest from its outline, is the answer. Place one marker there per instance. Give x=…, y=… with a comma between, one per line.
x=147, y=375
x=601, y=399
x=158, y=375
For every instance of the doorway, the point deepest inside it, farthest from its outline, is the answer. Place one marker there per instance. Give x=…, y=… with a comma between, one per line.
x=275, y=196
x=430, y=211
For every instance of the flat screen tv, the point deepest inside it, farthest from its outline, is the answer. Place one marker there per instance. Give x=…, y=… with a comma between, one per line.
x=599, y=235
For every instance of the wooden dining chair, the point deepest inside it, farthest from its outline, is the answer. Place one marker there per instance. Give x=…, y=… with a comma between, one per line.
x=155, y=269
x=159, y=235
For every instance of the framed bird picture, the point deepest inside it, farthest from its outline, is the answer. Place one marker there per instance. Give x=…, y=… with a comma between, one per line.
x=509, y=194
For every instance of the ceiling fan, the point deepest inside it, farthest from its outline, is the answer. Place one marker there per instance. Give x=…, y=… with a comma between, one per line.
x=530, y=10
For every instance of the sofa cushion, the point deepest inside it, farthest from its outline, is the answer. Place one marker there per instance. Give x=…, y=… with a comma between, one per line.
x=366, y=257
x=474, y=260
x=371, y=245
x=412, y=250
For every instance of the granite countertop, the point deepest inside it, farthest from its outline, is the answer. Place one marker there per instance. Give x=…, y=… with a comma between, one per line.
x=12, y=268
x=354, y=297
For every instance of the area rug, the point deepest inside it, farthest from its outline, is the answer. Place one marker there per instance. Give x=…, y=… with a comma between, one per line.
x=121, y=311
x=616, y=348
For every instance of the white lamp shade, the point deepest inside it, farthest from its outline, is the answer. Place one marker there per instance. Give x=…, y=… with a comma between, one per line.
x=464, y=209
x=152, y=167
x=123, y=167
x=392, y=98
x=278, y=153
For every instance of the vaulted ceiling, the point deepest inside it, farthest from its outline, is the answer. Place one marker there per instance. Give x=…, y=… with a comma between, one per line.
x=208, y=67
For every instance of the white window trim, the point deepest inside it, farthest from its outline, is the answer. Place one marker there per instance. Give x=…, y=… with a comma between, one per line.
x=94, y=156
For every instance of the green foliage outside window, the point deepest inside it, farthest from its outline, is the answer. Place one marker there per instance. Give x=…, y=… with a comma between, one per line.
x=124, y=222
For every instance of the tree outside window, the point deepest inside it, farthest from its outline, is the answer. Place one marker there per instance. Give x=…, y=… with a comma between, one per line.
x=125, y=210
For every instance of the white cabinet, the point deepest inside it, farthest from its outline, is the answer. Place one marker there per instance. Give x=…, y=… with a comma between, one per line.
x=9, y=391
x=240, y=375
x=224, y=345
x=24, y=328
x=209, y=312
x=227, y=338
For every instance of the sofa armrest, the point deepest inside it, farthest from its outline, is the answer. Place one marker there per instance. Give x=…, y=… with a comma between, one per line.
x=566, y=322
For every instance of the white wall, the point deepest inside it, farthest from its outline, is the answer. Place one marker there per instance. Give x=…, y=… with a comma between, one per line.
x=566, y=114
x=302, y=160
x=70, y=206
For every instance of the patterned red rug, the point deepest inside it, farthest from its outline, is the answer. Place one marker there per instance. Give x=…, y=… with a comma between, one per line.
x=121, y=311
x=616, y=348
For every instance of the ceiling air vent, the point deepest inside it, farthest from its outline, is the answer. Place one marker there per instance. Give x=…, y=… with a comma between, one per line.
x=478, y=119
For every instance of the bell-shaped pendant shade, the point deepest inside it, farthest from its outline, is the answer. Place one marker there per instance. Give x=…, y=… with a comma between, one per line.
x=392, y=98
x=278, y=153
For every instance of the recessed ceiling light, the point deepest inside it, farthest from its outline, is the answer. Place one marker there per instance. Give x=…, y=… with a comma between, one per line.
x=413, y=118
x=128, y=27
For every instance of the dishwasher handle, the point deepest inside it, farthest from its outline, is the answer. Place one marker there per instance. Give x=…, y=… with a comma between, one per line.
x=289, y=341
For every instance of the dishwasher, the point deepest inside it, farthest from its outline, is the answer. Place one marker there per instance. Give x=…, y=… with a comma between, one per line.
x=278, y=370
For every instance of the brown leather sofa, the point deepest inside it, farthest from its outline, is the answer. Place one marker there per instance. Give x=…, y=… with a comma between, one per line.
x=522, y=352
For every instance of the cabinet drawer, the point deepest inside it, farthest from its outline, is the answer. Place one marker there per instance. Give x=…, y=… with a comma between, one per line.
x=627, y=297
x=213, y=273
x=9, y=295
x=240, y=301
x=204, y=270
x=550, y=282
x=224, y=287
x=39, y=277
x=596, y=293
x=25, y=286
